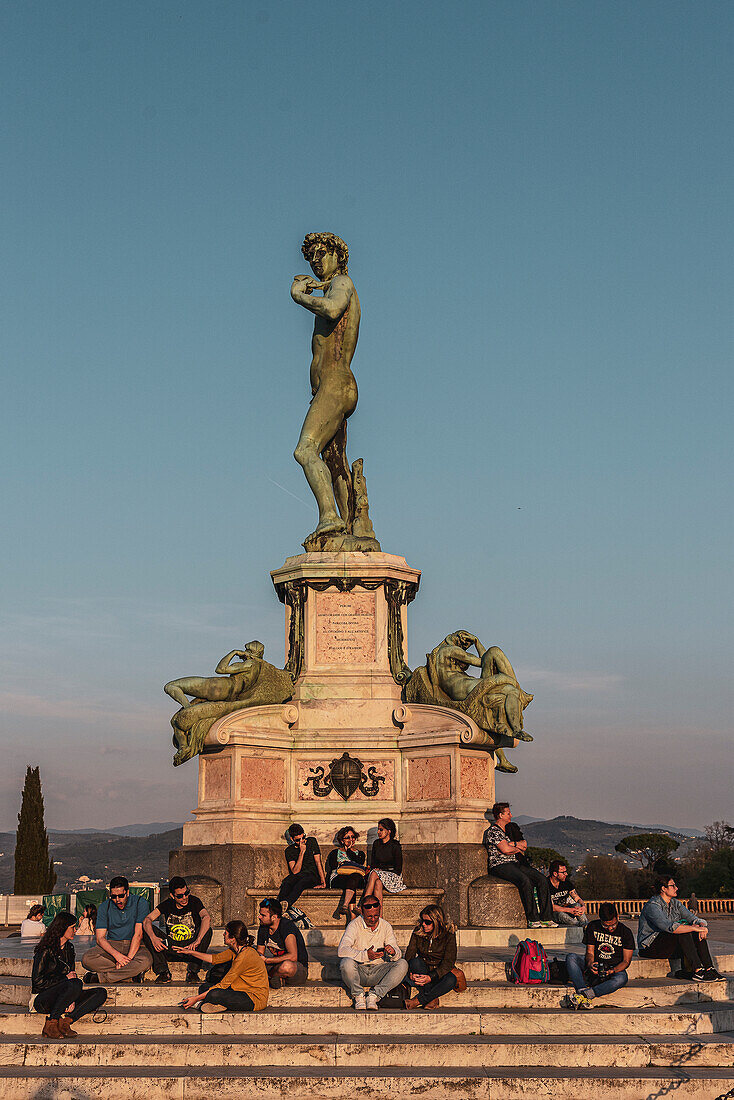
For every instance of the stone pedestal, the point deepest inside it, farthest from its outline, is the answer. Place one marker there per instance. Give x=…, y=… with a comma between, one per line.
x=345, y=750
x=495, y=904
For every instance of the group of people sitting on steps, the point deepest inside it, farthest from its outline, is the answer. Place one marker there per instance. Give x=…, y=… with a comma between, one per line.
x=130, y=939
x=347, y=869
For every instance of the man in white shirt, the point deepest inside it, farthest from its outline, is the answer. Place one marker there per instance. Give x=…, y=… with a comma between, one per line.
x=369, y=956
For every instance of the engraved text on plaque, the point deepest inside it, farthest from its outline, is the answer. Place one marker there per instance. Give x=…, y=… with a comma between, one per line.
x=345, y=628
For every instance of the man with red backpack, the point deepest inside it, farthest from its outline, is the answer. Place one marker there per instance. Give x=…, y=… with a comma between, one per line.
x=609, y=948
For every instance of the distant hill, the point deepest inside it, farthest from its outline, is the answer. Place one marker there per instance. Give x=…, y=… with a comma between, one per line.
x=126, y=830
x=99, y=855
x=576, y=838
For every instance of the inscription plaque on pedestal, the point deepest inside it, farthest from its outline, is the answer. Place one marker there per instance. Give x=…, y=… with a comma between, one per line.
x=345, y=628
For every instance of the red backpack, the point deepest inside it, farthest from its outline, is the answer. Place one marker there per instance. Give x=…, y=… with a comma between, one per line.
x=530, y=964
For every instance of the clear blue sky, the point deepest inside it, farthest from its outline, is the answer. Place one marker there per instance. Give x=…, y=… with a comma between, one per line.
x=537, y=198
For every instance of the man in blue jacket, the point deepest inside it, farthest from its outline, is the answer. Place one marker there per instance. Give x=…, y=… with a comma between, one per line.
x=668, y=930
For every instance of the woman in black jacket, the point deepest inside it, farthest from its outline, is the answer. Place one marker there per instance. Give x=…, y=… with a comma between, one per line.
x=55, y=987
x=345, y=871
x=431, y=958
x=386, y=862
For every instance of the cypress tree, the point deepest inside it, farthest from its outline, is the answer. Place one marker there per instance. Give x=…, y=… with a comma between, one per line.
x=34, y=868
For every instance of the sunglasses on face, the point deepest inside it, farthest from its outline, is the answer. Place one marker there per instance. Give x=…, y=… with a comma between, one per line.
x=372, y=905
x=180, y=897
x=119, y=897
x=428, y=923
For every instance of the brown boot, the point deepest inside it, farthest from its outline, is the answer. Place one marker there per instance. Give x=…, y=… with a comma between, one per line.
x=411, y=1002
x=65, y=1027
x=432, y=1005
x=51, y=1029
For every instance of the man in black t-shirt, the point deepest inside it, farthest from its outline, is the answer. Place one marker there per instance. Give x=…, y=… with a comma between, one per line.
x=281, y=945
x=609, y=948
x=179, y=921
x=306, y=872
x=568, y=908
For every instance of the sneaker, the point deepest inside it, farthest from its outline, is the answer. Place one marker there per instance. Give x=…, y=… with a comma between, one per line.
x=359, y=1003
x=372, y=1002
x=138, y=979
x=714, y=976
x=536, y=924
x=90, y=978
x=274, y=981
x=163, y=979
x=700, y=975
x=207, y=1006
x=548, y=924
x=567, y=1002
x=683, y=975
x=581, y=1002
x=192, y=977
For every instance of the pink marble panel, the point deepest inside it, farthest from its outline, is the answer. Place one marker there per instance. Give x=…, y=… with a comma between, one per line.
x=262, y=778
x=345, y=628
x=384, y=768
x=217, y=784
x=429, y=778
x=475, y=781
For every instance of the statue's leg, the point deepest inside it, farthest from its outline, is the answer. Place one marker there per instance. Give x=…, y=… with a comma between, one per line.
x=503, y=764
x=213, y=688
x=174, y=690
x=495, y=661
x=513, y=712
x=322, y=422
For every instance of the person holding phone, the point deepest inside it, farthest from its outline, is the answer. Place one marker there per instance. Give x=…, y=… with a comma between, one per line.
x=305, y=869
x=369, y=956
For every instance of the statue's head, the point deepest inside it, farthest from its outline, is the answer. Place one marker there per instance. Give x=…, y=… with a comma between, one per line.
x=318, y=245
x=255, y=649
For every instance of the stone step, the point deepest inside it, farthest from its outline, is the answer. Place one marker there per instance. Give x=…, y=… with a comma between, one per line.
x=507, y=938
x=702, y=1019
x=498, y=994
x=477, y=964
x=398, y=909
x=274, y=1083
x=567, y=1051
x=186, y=1082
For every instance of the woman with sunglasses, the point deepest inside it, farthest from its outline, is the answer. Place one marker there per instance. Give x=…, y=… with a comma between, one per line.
x=55, y=988
x=386, y=862
x=345, y=871
x=431, y=958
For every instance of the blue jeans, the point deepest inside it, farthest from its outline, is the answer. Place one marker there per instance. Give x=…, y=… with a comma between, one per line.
x=575, y=966
x=437, y=987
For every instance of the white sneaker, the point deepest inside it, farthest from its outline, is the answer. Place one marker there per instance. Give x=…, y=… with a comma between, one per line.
x=372, y=1002
x=359, y=1003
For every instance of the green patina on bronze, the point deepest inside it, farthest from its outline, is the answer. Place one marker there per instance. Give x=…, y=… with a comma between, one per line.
x=247, y=682
x=340, y=492
x=495, y=701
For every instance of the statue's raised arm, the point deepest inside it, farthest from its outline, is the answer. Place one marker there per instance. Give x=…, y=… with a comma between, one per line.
x=322, y=447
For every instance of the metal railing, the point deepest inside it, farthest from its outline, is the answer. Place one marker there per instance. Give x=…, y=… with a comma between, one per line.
x=633, y=906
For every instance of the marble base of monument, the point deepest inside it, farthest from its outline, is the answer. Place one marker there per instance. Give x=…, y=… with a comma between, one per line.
x=494, y=904
x=345, y=750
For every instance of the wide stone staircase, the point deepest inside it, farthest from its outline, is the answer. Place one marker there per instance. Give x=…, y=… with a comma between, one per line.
x=658, y=1037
